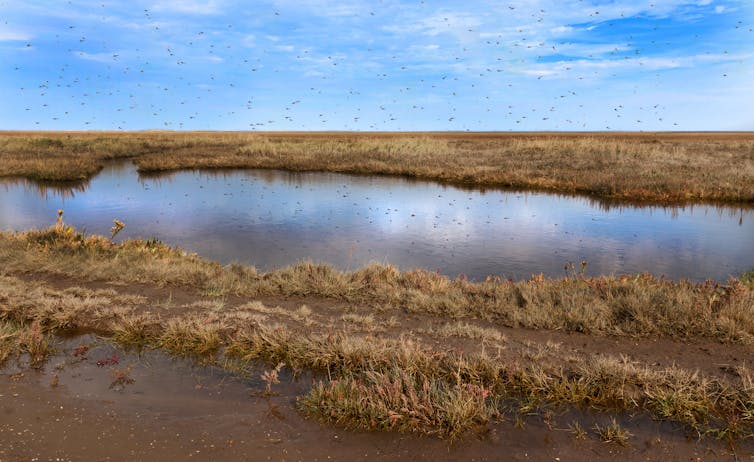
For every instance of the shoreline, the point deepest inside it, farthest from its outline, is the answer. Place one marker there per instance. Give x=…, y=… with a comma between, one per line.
x=651, y=168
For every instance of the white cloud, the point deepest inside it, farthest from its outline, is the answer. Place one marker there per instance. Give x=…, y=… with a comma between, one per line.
x=561, y=30
x=197, y=7
x=567, y=69
x=13, y=36
x=248, y=41
x=105, y=57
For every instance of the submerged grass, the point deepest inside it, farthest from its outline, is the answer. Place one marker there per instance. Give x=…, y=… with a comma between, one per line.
x=661, y=167
x=9, y=334
x=30, y=339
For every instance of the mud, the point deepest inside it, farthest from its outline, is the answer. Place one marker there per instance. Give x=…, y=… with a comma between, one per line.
x=164, y=408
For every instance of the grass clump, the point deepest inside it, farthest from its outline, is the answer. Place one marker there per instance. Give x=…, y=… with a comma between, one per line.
x=9, y=333
x=613, y=433
x=191, y=337
x=747, y=278
x=402, y=401
x=36, y=343
x=135, y=331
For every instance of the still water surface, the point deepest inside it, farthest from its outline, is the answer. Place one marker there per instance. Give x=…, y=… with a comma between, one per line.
x=273, y=218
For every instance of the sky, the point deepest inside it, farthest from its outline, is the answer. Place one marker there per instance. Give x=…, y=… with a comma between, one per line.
x=385, y=65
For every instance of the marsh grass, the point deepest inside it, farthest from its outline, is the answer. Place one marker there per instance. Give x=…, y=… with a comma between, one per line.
x=9, y=334
x=577, y=430
x=628, y=305
x=467, y=330
x=613, y=433
x=192, y=337
x=662, y=167
x=402, y=401
x=36, y=343
x=748, y=278
x=364, y=321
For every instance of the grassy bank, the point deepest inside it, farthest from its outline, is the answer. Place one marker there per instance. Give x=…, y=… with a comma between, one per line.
x=663, y=167
x=639, y=305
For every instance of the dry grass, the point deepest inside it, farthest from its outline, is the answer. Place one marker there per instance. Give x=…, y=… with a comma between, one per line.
x=192, y=336
x=640, y=305
x=464, y=329
x=402, y=401
x=613, y=433
x=748, y=278
x=659, y=167
x=9, y=334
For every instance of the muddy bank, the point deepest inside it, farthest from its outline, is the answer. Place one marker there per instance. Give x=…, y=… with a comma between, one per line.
x=172, y=409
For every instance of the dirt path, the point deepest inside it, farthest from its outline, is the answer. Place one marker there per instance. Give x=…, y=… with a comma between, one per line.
x=710, y=357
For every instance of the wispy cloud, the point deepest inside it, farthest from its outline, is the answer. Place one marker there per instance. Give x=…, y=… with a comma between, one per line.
x=7, y=35
x=102, y=57
x=192, y=7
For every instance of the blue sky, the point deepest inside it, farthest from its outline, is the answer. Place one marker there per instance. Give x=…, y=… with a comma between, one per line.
x=377, y=65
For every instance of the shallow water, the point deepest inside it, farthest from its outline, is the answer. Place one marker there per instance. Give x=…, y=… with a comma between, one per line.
x=166, y=409
x=273, y=218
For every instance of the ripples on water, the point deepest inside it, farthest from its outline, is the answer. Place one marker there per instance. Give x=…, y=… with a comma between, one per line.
x=273, y=218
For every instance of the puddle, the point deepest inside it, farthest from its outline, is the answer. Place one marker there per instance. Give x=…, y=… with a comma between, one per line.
x=273, y=218
x=173, y=409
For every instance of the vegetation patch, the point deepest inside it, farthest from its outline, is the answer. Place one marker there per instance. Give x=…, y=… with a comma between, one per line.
x=628, y=305
x=658, y=167
x=402, y=401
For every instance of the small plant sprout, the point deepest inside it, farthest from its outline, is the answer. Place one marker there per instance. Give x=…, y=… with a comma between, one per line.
x=117, y=226
x=270, y=378
x=121, y=377
x=577, y=430
x=613, y=433
x=59, y=221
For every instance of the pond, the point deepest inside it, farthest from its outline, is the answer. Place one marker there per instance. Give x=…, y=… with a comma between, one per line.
x=271, y=219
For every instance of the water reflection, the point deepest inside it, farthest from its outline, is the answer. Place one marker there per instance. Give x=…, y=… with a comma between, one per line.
x=273, y=218
x=46, y=189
